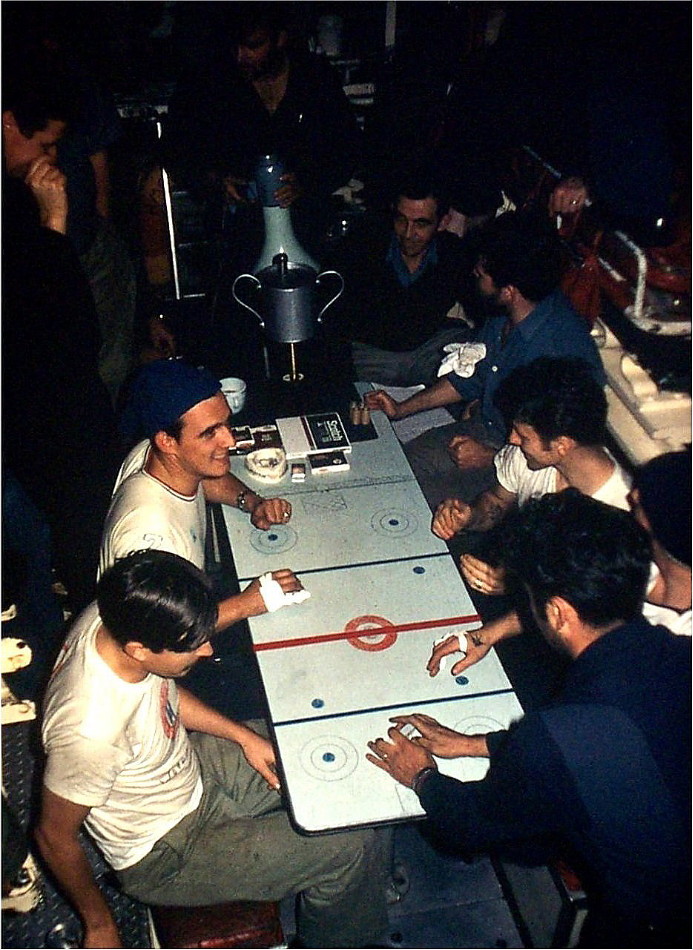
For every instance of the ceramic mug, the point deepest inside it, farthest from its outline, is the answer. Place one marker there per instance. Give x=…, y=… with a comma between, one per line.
x=234, y=391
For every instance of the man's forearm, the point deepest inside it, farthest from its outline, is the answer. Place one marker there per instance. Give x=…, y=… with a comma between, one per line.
x=441, y=393
x=239, y=607
x=199, y=717
x=503, y=628
x=487, y=511
x=227, y=491
x=66, y=859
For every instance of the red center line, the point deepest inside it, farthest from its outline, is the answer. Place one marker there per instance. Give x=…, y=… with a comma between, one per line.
x=365, y=632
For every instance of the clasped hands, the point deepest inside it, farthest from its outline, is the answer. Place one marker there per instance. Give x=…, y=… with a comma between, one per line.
x=290, y=191
x=48, y=186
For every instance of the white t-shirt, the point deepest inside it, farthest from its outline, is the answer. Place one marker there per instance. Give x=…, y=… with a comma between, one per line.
x=145, y=514
x=117, y=747
x=680, y=623
x=515, y=476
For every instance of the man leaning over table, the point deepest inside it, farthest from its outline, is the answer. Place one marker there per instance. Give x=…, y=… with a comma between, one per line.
x=183, y=801
x=164, y=483
x=601, y=777
x=556, y=413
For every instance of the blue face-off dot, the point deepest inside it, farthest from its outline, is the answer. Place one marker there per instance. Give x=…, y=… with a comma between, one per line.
x=328, y=757
x=318, y=703
x=461, y=680
x=419, y=570
x=394, y=522
x=273, y=537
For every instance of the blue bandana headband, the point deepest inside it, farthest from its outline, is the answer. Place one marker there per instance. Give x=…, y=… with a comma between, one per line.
x=161, y=392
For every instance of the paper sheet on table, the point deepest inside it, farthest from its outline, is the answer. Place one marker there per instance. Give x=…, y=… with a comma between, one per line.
x=407, y=429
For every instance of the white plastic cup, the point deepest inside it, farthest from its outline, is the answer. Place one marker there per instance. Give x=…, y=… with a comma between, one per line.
x=234, y=390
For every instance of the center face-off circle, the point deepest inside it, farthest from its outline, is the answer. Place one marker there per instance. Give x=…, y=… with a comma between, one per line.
x=279, y=538
x=377, y=641
x=394, y=523
x=329, y=758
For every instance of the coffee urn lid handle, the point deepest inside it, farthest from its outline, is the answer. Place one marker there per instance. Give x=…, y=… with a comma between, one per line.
x=281, y=263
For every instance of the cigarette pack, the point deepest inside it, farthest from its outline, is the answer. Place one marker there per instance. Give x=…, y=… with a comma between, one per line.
x=328, y=462
x=243, y=436
x=298, y=471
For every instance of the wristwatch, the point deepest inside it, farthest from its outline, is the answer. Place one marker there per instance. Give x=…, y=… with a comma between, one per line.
x=241, y=502
x=421, y=777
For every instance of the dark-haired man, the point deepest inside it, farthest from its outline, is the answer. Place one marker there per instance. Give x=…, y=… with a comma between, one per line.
x=181, y=800
x=257, y=94
x=556, y=412
x=518, y=266
x=660, y=500
x=403, y=277
x=601, y=777
x=51, y=337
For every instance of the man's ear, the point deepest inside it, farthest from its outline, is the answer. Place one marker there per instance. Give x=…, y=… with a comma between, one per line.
x=560, y=614
x=135, y=650
x=282, y=39
x=563, y=444
x=164, y=442
x=9, y=123
x=445, y=221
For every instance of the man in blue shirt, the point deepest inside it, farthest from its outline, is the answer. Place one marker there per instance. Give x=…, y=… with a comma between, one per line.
x=601, y=777
x=518, y=266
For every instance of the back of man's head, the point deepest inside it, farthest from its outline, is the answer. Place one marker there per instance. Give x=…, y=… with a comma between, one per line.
x=523, y=250
x=557, y=396
x=664, y=493
x=157, y=599
x=594, y=556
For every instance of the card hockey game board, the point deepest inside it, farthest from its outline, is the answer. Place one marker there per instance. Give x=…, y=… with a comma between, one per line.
x=334, y=527
x=337, y=667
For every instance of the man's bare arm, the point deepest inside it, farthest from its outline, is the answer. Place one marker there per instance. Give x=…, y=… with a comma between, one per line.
x=57, y=836
x=441, y=393
x=250, y=602
x=102, y=180
x=263, y=512
x=490, y=508
x=199, y=717
x=453, y=515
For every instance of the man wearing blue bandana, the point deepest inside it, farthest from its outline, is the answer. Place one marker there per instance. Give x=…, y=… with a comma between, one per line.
x=182, y=462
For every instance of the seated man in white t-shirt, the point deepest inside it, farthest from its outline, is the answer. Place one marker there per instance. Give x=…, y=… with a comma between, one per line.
x=164, y=483
x=660, y=500
x=556, y=413
x=183, y=802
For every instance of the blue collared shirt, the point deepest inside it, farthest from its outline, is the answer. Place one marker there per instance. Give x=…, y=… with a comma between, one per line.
x=402, y=273
x=553, y=328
